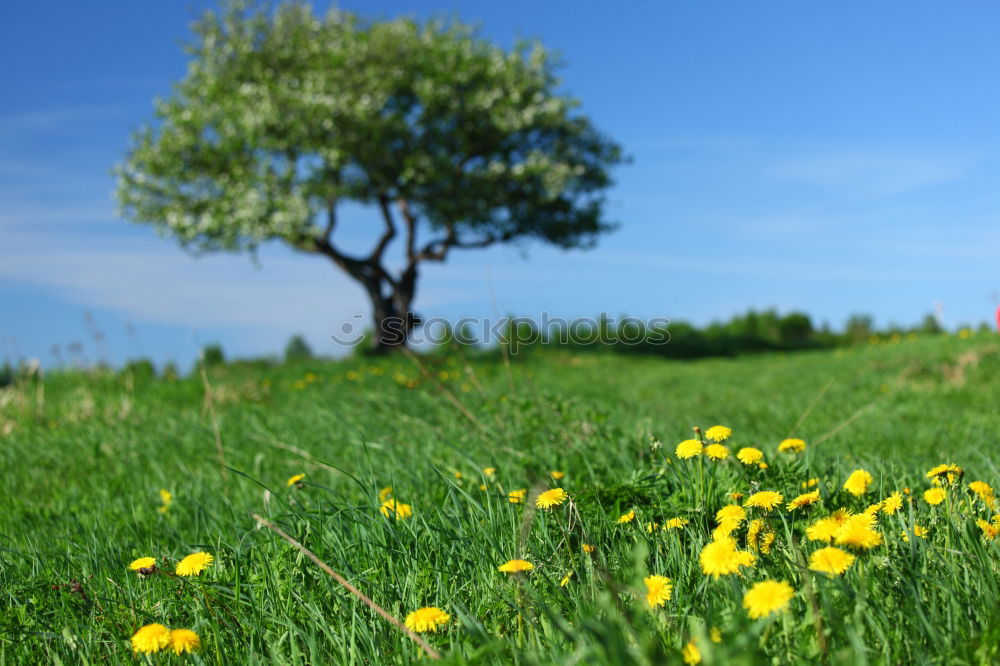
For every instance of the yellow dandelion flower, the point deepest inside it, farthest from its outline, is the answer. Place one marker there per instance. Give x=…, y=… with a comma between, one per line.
x=989, y=530
x=142, y=563
x=658, y=589
x=984, y=492
x=857, y=483
x=555, y=474
x=489, y=471
x=482, y=486
x=689, y=448
x=193, y=564
x=715, y=635
x=675, y=523
x=856, y=533
x=551, y=498
x=587, y=548
x=652, y=527
x=166, y=497
x=718, y=433
x=516, y=566
x=735, y=497
x=565, y=579
x=716, y=452
x=690, y=654
x=792, y=445
x=760, y=536
x=184, y=641
x=151, y=638
x=802, y=500
x=831, y=560
x=934, y=496
x=767, y=597
x=731, y=512
x=765, y=499
x=811, y=483
x=458, y=475
x=892, y=503
x=872, y=509
x=385, y=494
x=762, y=465
x=626, y=517
x=949, y=471
x=725, y=529
x=393, y=508
x=517, y=496
x=826, y=529
x=292, y=480
x=426, y=619
x=720, y=558
x=748, y=455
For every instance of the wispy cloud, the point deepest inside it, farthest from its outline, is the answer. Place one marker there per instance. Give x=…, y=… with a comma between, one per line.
x=872, y=174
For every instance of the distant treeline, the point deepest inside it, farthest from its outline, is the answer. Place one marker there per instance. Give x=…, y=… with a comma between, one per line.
x=746, y=333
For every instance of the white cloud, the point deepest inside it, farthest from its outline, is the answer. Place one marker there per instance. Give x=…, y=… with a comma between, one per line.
x=872, y=174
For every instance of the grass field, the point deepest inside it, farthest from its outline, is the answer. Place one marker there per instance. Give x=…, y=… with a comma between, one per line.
x=85, y=456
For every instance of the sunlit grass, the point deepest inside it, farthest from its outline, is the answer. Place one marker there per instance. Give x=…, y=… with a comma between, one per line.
x=86, y=458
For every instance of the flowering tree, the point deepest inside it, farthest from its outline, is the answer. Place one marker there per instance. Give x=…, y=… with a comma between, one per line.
x=453, y=142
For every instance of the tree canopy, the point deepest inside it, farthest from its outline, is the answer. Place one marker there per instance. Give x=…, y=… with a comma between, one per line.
x=283, y=115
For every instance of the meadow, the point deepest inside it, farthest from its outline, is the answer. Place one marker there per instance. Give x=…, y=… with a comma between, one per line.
x=410, y=488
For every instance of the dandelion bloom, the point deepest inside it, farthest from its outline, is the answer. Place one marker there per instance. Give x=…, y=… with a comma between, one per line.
x=857, y=483
x=749, y=455
x=489, y=471
x=765, y=499
x=652, y=527
x=792, y=445
x=143, y=563
x=982, y=490
x=892, y=503
x=184, y=641
x=151, y=638
x=386, y=492
x=716, y=452
x=804, y=499
x=730, y=512
x=950, y=471
x=826, y=529
x=718, y=433
x=516, y=566
x=425, y=619
x=725, y=529
x=517, y=496
x=767, y=597
x=658, y=589
x=587, y=548
x=811, y=483
x=399, y=510
x=736, y=497
x=555, y=474
x=565, y=579
x=990, y=530
x=166, y=497
x=690, y=654
x=934, y=496
x=292, y=480
x=551, y=498
x=689, y=448
x=831, y=560
x=193, y=564
x=626, y=517
x=720, y=557
x=760, y=536
x=856, y=533
x=675, y=523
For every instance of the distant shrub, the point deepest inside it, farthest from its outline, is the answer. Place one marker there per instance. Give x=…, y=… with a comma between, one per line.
x=297, y=349
x=212, y=355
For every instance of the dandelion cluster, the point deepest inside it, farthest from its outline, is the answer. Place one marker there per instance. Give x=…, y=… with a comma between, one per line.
x=154, y=638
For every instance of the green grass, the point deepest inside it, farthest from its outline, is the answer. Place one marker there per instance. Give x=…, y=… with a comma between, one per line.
x=85, y=455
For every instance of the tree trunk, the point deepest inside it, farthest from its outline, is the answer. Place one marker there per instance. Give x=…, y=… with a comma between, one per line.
x=392, y=317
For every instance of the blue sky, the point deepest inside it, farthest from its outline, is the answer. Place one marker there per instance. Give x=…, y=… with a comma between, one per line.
x=827, y=157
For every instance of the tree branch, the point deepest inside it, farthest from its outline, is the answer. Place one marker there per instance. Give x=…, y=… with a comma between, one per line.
x=388, y=235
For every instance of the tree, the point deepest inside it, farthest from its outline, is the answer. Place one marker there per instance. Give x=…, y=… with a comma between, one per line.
x=452, y=141
x=297, y=349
